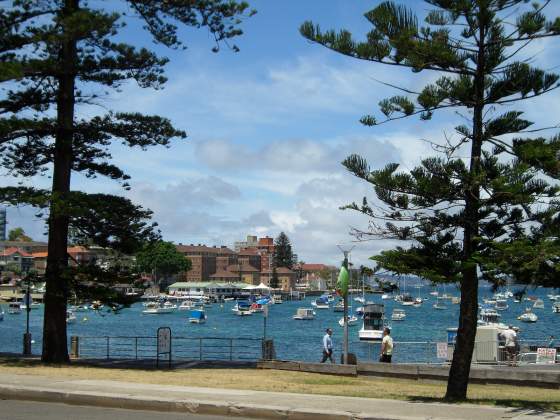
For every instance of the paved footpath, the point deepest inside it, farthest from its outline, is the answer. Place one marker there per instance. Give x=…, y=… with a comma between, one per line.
x=241, y=403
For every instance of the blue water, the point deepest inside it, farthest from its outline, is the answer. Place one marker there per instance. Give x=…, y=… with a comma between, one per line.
x=297, y=340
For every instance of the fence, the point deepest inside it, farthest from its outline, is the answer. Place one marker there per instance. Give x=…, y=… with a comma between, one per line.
x=183, y=348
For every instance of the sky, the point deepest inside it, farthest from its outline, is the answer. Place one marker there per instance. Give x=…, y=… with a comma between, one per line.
x=267, y=129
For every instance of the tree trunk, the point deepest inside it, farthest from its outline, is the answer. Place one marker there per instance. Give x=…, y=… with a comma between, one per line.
x=55, y=349
x=458, y=380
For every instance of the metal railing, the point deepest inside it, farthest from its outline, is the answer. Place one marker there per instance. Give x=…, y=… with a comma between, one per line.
x=183, y=348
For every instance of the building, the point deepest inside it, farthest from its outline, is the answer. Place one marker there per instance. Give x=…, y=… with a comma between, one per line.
x=286, y=278
x=205, y=260
x=251, y=242
x=15, y=260
x=3, y=223
x=212, y=289
x=31, y=246
x=77, y=255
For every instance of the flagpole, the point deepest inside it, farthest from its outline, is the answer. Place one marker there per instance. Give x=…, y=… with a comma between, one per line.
x=345, y=300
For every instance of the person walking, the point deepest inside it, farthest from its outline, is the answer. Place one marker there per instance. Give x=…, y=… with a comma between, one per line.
x=551, y=342
x=327, y=346
x=386, y=346
x=510, y=337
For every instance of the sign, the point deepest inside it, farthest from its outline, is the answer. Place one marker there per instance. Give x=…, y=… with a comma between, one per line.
x=442, y=350
x=265, y=311
x=164, y=340
x=546, y=355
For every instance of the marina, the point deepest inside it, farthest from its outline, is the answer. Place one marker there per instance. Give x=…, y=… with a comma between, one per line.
x=293, y=340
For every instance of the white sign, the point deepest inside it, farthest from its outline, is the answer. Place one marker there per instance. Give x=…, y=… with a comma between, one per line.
x=265, y=311
x=545, y=355
x=164, y=340
x=441, y=350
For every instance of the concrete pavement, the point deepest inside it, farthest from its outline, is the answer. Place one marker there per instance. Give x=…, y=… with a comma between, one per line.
x=241, y=403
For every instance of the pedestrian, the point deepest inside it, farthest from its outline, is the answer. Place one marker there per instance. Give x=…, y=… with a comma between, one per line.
x=510, y=338
x=386, y=346
x=327, y=346
x=551, y=342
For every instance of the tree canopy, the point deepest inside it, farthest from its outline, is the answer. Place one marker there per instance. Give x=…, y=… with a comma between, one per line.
x=161, y=258
x=283, y=254
x=485, y=203
x=18, y=234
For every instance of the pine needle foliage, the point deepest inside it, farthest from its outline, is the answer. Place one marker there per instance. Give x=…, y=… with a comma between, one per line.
x=495, y=213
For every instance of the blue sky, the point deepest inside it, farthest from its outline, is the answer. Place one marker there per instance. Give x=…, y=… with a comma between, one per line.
x=268, y=127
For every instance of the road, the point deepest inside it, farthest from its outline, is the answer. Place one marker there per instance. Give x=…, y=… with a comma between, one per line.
x=27, y=410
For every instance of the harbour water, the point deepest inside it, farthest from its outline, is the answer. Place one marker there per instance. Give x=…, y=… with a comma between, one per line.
x=294, y=340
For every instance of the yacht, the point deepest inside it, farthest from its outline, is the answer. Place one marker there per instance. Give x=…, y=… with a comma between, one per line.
x=528, y=316
x=155, y=308
x=352, y=320
x=407, y=300
x=398, y=315
x=304, y=314
x=14, y=308
x=197, y=316
x=501, y=304
x=554, y=297
x=185, y=306
x=373, y=323
x=539, y=304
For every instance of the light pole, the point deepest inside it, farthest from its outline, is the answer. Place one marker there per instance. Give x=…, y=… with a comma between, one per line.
x=27, y=335
x=346, y=252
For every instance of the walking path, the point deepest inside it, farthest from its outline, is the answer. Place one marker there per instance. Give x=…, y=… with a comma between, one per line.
x=244, y=403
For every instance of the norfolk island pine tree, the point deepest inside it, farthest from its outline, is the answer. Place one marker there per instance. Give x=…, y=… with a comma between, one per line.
x=463, y=217
x=53, y=55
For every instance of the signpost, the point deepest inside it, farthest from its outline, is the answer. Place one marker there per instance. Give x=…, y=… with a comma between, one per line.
x=164, y=343
x=442, y=349
x=27, y=336
x=546, y=355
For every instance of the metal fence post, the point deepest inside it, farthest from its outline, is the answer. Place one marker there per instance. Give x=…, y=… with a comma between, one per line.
x=231, y=349
x=136, y=348
x=108, y=339
x=200, y=348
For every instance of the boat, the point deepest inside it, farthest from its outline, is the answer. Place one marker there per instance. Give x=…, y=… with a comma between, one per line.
x=386, y=296
x=490, y=316
x=539, y=304
x=197, y=316
x=70, y=317
x=304, y=314
x=440, y=304
x=556, y=307
x=418, y=302
x=339, y=307
x=277, y=299
x=398, y=315
x=455, y=300
x=407, y=300
x=373, y=322
x=501, y=304
x=14, y=308
x=554, y=297
x=81, y=308
x=242, y=308
x=528, y=316
x=1, y=315
x=434, y=293
x=228, y=299
x=321, y=303
x=156, y=308
x=352, y=320
x=359, y=299
x=185, y=306
x=489, y=301
x=257, y=307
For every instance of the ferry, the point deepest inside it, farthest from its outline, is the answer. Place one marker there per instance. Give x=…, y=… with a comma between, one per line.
x=304, y=314
x=197, y=316
x=373, y=323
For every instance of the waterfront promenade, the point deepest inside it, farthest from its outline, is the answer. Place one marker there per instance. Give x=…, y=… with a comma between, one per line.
x=240, y=403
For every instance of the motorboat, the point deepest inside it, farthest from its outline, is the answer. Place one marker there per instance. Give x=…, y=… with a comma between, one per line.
x=417, y=302
x=528, y=316
x=554, y=297
x=339, y=307
x=455, y=300
x=70, y=317
x=257, y=307
x=359, y=299
x=277, y=299
x=304, y=314
x=352, y=320
x=156, y=308
x=440, y=304
x=14, y=308
x=373, y=322
x=197, y=316
x=539, y=304
x=243, y=308
x=185, y=306
x=398, y=315
x=556, y=307
x=501, y=304
x=490, y=316
x=96, y=305
x=321, y=303
x=386, y=296
x=33, y=305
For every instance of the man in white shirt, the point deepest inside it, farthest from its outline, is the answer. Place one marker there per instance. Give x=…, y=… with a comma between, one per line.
x=510, y=338
x=386, y=346
x=327, y=347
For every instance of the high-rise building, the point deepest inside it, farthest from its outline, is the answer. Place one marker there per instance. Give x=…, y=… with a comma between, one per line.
x=3, y=223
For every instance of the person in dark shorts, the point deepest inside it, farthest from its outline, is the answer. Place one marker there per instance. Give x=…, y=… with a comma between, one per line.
x=386, y=346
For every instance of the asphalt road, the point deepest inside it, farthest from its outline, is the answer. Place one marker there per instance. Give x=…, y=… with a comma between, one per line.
x=27, y=410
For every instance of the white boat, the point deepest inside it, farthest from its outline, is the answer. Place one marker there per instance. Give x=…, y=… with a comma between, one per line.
x=398, y=315
x=185, y=306
x=228, y=299
x=490, y=316
x=242, y=308
x=14, y=308
x=70, y=317
x=386, y=296
x=407, y=300
x=556, y=307
x=434, y=293
x=155, y=308
x=554, y=297
x=197, y=316
x=455, y=300
x=359, y=299
x=539, y=304
x=320, y=303
x=257, y=307
x=277, y=299
x=339, y=307
x=304, y=314
x=373, y=323
x=418, y=302
x=501, y=304
x=528, y=316
x=440, y=304
x=489, y=301
x=352, y=320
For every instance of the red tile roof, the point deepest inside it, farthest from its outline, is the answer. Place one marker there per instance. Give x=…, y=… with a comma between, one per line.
x=12, y=250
